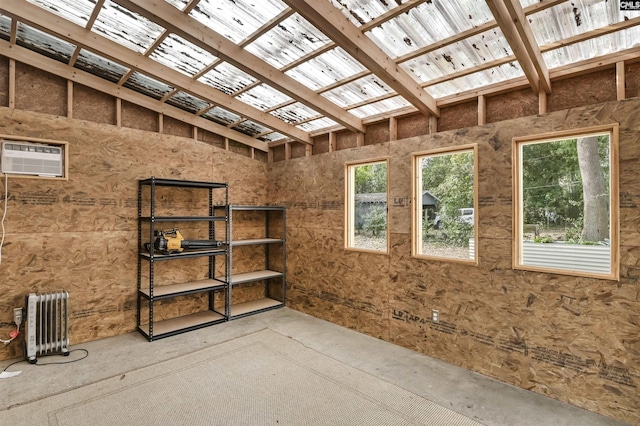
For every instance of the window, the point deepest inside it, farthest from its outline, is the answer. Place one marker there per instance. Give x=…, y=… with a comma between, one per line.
x=445, y=204
x=566, y=202
x=366, y=206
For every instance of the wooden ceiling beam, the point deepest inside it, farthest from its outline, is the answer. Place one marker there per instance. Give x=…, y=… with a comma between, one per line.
x=199, y=34
x=46, y=21
x=65, y=71
x=335, y=25
x=386, y=17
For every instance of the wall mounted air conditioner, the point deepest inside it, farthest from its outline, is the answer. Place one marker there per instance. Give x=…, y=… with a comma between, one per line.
x=34, y=159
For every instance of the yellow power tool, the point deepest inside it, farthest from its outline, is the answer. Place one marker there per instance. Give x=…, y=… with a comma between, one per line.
x=171, y=241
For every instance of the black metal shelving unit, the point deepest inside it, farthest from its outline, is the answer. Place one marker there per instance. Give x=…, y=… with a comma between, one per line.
x=216, y=216
x=273, y=276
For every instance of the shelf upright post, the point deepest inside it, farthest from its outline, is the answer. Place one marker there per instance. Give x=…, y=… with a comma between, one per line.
x=152, y=218
x=229, y=261
x=138, y=319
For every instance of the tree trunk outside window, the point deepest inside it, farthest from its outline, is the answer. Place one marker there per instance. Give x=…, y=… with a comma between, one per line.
x=596, y=198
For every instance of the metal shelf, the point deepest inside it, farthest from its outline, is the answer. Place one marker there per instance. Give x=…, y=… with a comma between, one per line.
x=184, y=254
x=182, y=289
x=255, y=241
x=247, y=277
x=174, y=326
x=182, y=183
x=254, y=306
x=182, y=218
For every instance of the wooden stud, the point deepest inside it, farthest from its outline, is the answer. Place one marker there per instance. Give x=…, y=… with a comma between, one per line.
x=226, y=144
x=359, y=139
x=118, y=112
x=253, y=152
x=287, y=151
x=393, y=129
x=542, y=102
x=433, y=124
x=308, y=150
x=195, y=132
x=69, y=99
x=270, y=156
x=620, y=81
x=161, y=123
x=12, y=83
x=332, y=141
x=482, y=110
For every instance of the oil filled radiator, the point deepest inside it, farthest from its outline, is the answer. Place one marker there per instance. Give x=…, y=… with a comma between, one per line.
x=47, y=328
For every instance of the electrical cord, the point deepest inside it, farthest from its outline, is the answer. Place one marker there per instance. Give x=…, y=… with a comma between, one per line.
x=4, y=214
x=86, y=354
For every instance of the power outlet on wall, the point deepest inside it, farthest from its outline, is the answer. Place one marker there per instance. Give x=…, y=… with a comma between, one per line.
x=17, y=316
x=435, y=315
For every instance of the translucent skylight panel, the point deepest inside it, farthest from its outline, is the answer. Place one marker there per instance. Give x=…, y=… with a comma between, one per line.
x=289, y=40
x=179, y=4
x=147, y=85
x=572, y=18
x=5, y=27
x=250, y=128
x=326, y=69
x=181, y=55
x=263, y=97
x=44, y=43
x=100, y=66
x=474, y=81
x=222, y=116
x=468, y=53
x=380, y=107
x=227, y=78
x=362, y=11
x=187, y=102
x=526, y=3
x=236, y=19
x=428, y=23
x=125, y=27
x=294, y=113
x=592, y=48
x=76, y=11
x=272, y=137
x=321, y=123
x=358, y=91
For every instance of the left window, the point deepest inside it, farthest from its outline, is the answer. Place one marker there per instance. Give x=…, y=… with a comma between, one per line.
x=367, y=206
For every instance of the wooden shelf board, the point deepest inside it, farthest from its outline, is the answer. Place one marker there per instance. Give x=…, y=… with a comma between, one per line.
x=183, y=288
x=180, y=323
x=252, y=276
x=255, y=241
x=254, y=305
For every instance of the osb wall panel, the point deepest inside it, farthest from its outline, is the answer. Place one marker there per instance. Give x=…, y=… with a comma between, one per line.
x=458, y=116
x=632, y=80
x=573, y=339
x=320, y=144
x=278, y=153
x=40, y=91
x=92, y=105
x=586, y=89
x=4, y=81
x=521, y=103
x=377, y=133
x=137, y=117
x=211, y=138
x=345, y=140
x=81, y=235
x=412, y=125
x=298, y=150
x=174, y=127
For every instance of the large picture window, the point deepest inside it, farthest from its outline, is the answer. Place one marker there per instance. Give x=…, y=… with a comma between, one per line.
x=566, y=202
x=366, y=206
x=445, y=204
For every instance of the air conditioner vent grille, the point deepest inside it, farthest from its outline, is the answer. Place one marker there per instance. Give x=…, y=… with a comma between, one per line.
x=31, y=159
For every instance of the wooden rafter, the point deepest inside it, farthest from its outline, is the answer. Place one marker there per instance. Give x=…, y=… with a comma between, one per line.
x=54, y=67
x=46, y=21
x=335, y=25
x=199, y=34
x=385, y=17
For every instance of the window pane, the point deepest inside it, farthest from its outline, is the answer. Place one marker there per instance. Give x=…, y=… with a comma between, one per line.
x=367, y=206
x=564, y=217
x=445, y=212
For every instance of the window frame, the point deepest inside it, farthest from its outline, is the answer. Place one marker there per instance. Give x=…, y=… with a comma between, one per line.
x=349, y=218
x=416, y=211
x=614, y=197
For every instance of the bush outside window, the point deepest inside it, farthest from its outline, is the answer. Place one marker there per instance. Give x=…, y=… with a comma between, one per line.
x=566, y=204
x=366, y=206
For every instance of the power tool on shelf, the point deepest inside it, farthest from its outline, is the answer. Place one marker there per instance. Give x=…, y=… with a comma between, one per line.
x=171, y=241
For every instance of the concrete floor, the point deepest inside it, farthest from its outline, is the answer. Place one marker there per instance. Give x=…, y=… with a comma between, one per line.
x=483, y=399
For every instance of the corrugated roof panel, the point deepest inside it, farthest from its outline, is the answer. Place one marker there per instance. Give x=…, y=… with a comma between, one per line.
x=576, y=17
x=76, y=11
x=380, y=107
x=222, y=116
x=182, y=55
x=326, y=69
x=465, y=54
x=187, y=102
x=250, y=128
x=592, y=48
x=179, y=4
x=227, y=78
x=100, y=66
x=236, y=19
x=5, y=27
x=271, y=137
x=289, y=40
x=147, y=85
x=358, y=91
x=321, y=123
x=362, y=11
x=125, y=27
x=476, y=80
x=526, y=3
x=263, y=97
x=294, y=113
x=44, y=43
x=428, y=23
